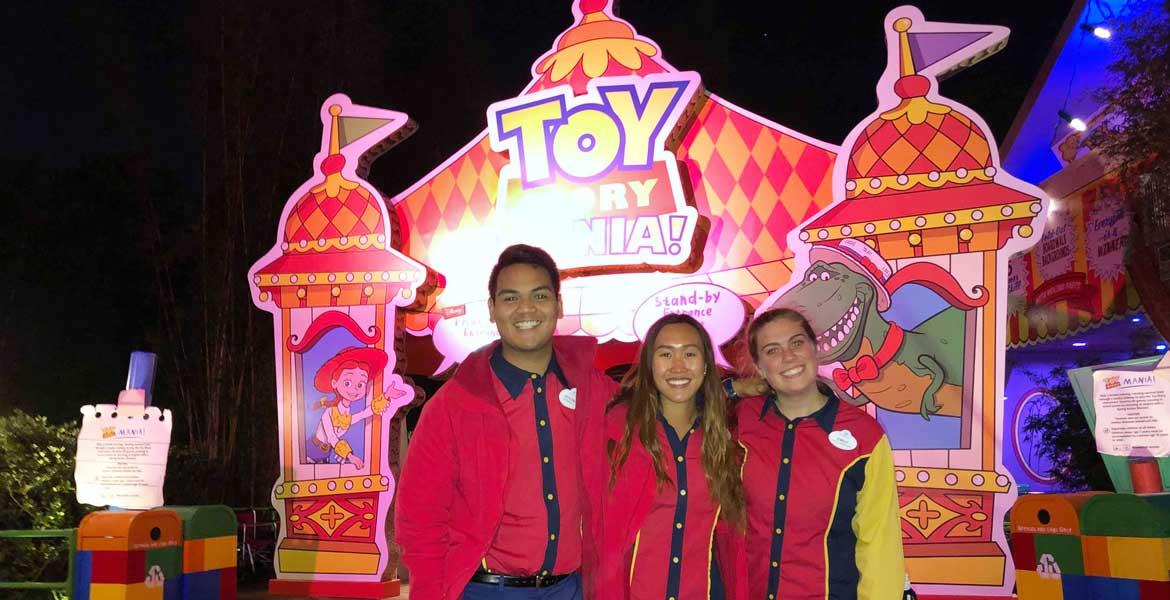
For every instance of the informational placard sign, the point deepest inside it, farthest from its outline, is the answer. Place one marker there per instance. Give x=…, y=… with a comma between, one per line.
x=122, y=456
x=1133, y=412
x=719, y=310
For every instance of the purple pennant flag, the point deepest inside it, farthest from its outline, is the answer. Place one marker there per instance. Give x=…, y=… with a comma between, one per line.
x=929, y=48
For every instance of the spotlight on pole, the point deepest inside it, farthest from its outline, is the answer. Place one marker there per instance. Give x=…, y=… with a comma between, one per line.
x=1100, y=31
x=1074, y=122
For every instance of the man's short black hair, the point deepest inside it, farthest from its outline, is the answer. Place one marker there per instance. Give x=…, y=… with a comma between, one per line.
x=523, y=254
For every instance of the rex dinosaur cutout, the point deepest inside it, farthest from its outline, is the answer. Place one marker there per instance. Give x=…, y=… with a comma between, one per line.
x=899, y=370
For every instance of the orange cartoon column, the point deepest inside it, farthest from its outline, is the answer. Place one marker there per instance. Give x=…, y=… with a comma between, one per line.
x=928, y=220
x=333, y=283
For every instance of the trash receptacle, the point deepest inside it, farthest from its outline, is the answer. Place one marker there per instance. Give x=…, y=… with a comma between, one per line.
x=129, y=555
x=209, y=552
x=1127, y=537
x=1046, y=543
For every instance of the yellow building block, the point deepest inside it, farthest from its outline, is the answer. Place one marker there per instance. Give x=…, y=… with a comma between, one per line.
x=108, y=591
x=219, y=553
x=140, y=591
x=1139, y=558
x=1031, y=586
x=194, y=552
x=121, y=591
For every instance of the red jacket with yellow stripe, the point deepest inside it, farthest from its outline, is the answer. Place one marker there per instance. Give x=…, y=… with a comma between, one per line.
x=451, y=490
x=822, y=503
x=625, y=507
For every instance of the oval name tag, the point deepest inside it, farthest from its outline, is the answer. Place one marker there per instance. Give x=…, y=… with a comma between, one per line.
x=568, y=398
x=843, y=439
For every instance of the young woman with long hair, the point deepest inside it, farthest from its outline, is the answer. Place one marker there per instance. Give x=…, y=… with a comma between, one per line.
x=822, y=505
x=674, y=513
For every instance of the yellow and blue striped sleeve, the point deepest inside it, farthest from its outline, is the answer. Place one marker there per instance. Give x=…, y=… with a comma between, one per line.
x=877, y=526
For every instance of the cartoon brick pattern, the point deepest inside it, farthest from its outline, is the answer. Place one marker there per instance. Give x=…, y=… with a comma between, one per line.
x=1117, y=547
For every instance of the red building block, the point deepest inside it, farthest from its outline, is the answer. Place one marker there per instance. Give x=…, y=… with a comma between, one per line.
x=1024, y=551
x=1154, y=590
x=118, y=566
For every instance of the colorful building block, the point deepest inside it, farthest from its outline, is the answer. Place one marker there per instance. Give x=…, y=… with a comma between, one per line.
x=1075, y=587
x=1153, y=590
x=1024, y=551
x=227, y=584
x=1095, y=552
x=219, y=553
x=193, y=551
x=1113, y=588
x=119, y=591
x=1030, y=585
x=1139, y=558
x=1064, y=549
x=202, y=585
x=1125, y=515
x=82, y=570
x=128, y=555
x=169, y=560
x=209, y=552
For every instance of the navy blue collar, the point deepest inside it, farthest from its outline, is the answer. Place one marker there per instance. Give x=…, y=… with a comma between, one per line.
x=679, y=445
x=825, y=416
x=514, y=378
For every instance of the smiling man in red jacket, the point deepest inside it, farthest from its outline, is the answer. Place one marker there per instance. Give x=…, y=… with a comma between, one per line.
x=493, y=499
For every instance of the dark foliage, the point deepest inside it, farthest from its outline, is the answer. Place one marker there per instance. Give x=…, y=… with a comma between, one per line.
x=1064, y=438
x=36, y=486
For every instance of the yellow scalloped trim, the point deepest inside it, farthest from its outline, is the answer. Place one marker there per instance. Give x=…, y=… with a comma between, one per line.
x=931, y=220
x=349, y=243
x=864, y=185
x=341, y=278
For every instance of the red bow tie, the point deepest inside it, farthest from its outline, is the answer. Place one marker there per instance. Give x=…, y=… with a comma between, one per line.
x=865, y=369
x=868, y=366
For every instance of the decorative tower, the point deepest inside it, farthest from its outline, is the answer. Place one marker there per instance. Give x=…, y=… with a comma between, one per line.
x=333, y=283
x=927, y=220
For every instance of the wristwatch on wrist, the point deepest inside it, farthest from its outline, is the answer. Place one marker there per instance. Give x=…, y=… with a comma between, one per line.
x=730, y=388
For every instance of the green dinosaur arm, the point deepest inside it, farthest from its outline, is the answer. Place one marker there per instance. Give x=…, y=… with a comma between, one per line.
x=937, y=378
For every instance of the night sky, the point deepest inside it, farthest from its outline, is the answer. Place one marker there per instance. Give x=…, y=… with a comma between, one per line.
x=101, y=105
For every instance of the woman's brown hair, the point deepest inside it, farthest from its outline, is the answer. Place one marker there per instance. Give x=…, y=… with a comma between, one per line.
x=721, y=455
x=775, y=314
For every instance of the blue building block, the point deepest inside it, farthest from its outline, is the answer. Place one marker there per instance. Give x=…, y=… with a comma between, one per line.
x=1075, y=587
x=82, y=570
x=203, y=585
x=1112, y=588
x=173, y=588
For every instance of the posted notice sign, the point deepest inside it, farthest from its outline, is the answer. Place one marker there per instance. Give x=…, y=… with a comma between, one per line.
x=1133, y=412
x=122, y=456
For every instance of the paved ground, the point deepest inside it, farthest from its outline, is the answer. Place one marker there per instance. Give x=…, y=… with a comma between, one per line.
x=262, y=594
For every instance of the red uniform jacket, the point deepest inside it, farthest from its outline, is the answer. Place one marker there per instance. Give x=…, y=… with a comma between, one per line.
x=625, y=507
x=451, y=490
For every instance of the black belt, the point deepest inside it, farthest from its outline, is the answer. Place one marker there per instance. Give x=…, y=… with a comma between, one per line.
x=537, y=581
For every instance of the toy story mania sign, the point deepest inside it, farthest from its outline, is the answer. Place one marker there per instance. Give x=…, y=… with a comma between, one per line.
x=657, y=195
x=590, y=178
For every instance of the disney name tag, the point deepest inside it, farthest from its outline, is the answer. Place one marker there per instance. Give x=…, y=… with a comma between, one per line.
x=568, y=398
x=843, y=439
